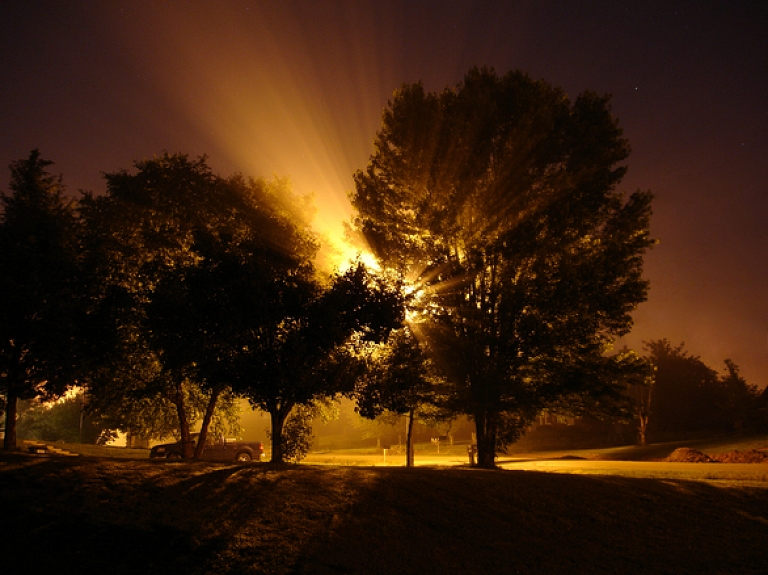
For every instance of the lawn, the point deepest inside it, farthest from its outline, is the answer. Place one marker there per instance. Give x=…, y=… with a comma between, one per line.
x=111, y=515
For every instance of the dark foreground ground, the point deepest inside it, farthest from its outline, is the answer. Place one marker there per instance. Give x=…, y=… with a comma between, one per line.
x=103, y=516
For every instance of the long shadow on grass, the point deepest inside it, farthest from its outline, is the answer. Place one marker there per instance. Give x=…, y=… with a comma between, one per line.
x=117, y=517
x=77, y=516
x=473, y=521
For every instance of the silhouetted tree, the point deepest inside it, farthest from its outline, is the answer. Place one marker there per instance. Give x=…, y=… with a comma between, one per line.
x=206, y=318
x=401, y=380
x=297, y=429
x=687, y=395
x=642, y=397
x=498, y=198
x=308, y=353
x=41, y=299
x=64, y=420
x=209, y=282
x=186, y=257
x=741, y=397
x=690, y=396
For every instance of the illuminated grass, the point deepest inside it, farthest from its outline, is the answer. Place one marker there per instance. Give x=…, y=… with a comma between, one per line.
x=655, y=451
x=105, y=451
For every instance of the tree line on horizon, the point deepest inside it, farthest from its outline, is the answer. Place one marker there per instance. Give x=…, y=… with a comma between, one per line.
x=511, y=264
x=684, y=396
x=685, y=399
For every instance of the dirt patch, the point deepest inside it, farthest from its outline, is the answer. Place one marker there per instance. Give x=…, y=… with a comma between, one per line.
x=750, y=456
x=688, y=455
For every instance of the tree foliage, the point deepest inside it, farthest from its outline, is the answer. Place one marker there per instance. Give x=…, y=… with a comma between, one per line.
x=296, y=434
x=190, y=263
x=64, y=420
x=400, y=380
x=41, y=299
x=309, y=351
x=499, y=199
x=208, y=284
x=691, y=397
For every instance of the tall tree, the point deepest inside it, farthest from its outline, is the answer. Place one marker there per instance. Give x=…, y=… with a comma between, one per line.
x=206, y=318
x=498, y=198
x=39, y=275
x=177, y=246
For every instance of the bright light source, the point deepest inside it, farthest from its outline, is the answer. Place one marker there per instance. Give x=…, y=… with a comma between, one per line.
x=342, y=254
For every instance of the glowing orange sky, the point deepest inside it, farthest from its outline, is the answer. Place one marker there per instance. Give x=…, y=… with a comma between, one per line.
x=297, y=88
x=262, y=100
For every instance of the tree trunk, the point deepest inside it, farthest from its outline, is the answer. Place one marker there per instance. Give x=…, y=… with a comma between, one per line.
x=277, y=417
x=187, y=451
x=9, y=443
x=643, y=429
x=409, y=440
x=201, y=440
x=643, y=398
x=486, y=440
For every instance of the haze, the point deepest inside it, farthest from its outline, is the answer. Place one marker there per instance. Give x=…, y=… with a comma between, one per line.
x=297, y=89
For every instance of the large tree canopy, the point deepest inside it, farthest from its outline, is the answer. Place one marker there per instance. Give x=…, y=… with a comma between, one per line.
x=188, y=261
x=209, y=285
x=498, y=198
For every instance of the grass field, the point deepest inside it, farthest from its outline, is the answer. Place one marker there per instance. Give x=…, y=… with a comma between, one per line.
x=458, y=452
x=111, y=514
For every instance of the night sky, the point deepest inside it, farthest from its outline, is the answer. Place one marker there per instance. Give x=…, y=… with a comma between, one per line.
x=296, y=88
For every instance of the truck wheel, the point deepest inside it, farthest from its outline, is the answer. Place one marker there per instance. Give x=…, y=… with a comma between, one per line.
x=243, y=456
x=173, y=456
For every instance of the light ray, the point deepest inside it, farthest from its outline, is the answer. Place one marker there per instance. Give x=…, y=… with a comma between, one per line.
x=252, y=84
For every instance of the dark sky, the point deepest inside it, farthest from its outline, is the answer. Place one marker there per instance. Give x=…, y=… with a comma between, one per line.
x=297, y=88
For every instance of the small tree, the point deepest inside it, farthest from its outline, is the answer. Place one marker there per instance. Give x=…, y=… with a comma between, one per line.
x=64, y=420
x=297, y=430
x=402, y=380
x=740, y=396
x=308, y=354
x=642, y=395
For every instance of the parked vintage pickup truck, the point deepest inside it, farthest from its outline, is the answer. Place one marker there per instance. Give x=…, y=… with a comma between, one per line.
x=217, y=448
